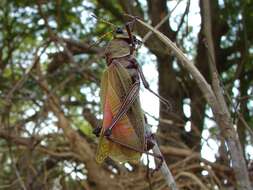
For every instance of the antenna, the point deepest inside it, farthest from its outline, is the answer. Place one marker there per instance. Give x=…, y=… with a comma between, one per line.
x=104, y=35
x=100, y=39
x=104, y=21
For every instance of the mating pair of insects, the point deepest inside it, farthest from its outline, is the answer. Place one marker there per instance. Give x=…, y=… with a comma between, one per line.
x=123, y=136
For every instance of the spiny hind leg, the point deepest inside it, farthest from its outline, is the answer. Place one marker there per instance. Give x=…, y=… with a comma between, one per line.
x=124, y=107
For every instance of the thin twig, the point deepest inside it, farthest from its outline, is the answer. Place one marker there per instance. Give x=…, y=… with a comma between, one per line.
x=166, y=171
x=184, y=14
x=164, y=168
x=145, y=38
x=193, y=177
x=240, y=116
x=21, y=82
x=19, y=178
x=187, y=64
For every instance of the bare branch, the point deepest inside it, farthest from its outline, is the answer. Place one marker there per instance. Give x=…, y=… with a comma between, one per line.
x=193, y=177
x=145, y=38
x=166, y=171
x=238, y=162
x=184, y=14
x=222, y=118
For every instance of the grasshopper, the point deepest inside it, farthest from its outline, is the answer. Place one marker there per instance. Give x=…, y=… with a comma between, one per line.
x=123, y=136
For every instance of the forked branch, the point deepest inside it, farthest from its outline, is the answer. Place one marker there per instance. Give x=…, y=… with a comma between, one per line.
x=222, y=118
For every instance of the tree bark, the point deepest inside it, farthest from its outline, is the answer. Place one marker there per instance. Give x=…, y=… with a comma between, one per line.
x=168, y=85
x=223, y=117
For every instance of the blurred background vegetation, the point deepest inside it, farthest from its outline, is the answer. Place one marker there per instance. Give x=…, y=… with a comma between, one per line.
x=49, y=92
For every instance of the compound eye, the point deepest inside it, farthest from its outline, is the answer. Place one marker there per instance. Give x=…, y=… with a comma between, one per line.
x=119, y=30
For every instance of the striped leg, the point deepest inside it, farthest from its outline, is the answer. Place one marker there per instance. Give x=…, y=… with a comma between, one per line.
x=124, y=107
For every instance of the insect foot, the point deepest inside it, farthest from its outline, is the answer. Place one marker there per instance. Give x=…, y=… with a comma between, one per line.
x=150, y=141
x=150, y=144
x=159, y=165
x=97, y=131
x=108, y=132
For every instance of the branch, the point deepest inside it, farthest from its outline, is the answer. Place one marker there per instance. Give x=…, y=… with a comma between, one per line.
x=109, y=5
x=21, y=82
x=91, y=118
x=222, y=118
x=193, y=177
x=82, y=47
x=166, y=171
x=164, y=168
x=129, y=7
x=177, y=151
x=32, y=142
x=184, y=14
x=14, y=139
x=187, y=64
x=145, y=38
x=225, y=123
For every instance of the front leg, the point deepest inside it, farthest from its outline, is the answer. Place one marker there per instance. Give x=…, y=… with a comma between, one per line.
x=146, y=85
